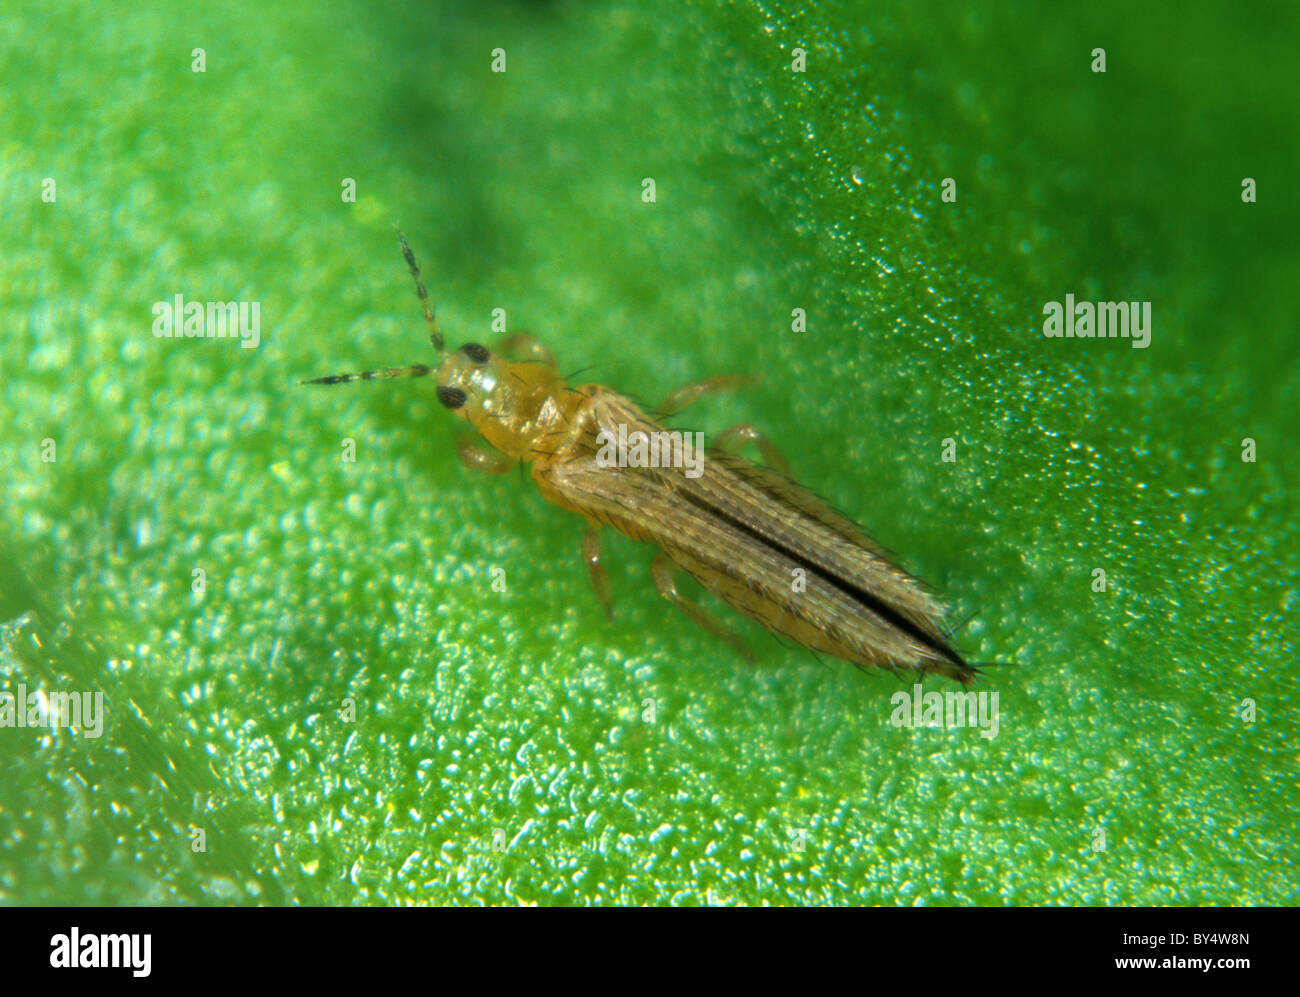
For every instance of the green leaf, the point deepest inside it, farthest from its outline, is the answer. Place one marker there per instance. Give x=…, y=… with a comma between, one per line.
x=503, y=748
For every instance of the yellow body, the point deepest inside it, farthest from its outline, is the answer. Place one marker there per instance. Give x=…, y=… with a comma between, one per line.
x=759, y=541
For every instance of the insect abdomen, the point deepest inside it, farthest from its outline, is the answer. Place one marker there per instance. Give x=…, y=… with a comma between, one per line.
x=763, y=544
x=821, y=612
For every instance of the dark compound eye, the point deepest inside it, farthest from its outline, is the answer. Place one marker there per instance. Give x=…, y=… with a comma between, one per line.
x=478, y=354
x=453, y=398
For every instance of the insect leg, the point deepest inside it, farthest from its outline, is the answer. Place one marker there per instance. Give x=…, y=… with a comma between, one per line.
x=689, y=394
x=477, y=459
x=525, y=346
x=599, y=576
x=745, y=432
x=663, y=570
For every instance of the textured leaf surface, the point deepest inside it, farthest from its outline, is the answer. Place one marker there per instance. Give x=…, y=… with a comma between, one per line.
x=516, y=718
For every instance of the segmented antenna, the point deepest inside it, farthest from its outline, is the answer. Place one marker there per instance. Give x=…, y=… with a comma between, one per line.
x=435, y=335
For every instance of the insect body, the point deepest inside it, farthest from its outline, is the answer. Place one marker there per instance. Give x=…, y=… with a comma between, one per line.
x=765, y=545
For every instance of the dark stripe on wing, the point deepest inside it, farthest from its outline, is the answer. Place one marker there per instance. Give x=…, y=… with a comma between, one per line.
x=856, y=592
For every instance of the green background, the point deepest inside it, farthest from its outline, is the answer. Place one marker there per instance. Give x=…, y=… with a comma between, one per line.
x=519, y=714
